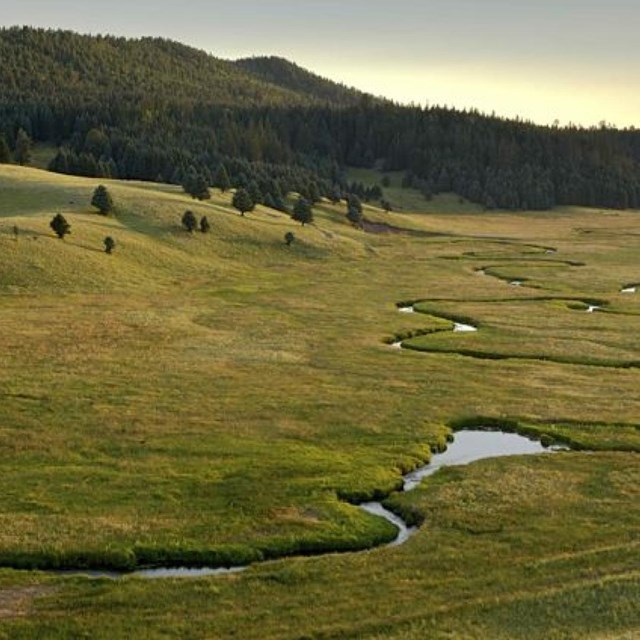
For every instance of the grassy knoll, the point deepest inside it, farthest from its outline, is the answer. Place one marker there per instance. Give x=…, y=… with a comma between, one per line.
x=213, y=399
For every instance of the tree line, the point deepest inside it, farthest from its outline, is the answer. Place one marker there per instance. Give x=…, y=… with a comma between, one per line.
x=154, y=110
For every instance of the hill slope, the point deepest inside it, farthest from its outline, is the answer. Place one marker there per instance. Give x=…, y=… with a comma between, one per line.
x=286, y=74
x=104, y=69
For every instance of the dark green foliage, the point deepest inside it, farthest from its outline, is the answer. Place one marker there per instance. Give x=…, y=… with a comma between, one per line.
x=22, y=152
x=289, y=238
x=60, y=226
x=354, y=209
x=255, y=192
x=102, y=200
x=302, y=212
x=354, y=216
x=195, y=184
x=386, y=205
x=312, y=193
x=242, y=201
x=5, y=152
x=16, y=231
x=205, y=227
x=335, y=194
x=109, y=245
x=353, y=202
x=173, y=113
x=189, y=221
x=282, y=73
x=386, y=182
x=222, y=180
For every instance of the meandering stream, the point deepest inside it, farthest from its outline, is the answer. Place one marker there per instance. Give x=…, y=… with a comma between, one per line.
x=467, y=447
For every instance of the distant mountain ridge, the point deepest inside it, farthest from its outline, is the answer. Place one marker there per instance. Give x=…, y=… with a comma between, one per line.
x=37, y=60
x=154, y=109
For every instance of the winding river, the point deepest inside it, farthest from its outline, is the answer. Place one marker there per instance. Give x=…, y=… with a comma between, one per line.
x=467, y=447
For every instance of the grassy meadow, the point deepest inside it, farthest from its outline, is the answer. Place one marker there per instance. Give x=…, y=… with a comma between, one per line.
x=222, y=398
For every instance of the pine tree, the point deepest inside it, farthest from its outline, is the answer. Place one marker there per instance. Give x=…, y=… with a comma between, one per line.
x=22, y=151
x=205, y=227
x=354, y=202
x=354, y=216
x=5, y=152
x=102, y=200
x=222, y=180
x=254, y=192
x=109, y=245
x=302, y=212
x=189, y=221
x=195, y=184
x=60, y=226
x=242, y=201
x=289, y=238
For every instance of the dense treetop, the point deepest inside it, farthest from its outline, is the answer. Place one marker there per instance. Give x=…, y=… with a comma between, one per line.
x=153, y=109
x=289, y=75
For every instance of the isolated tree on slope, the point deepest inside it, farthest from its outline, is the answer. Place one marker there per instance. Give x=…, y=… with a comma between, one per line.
x=302, y=212
x=189, y=221
x=196, y=186
x=289, y=238
x=60, y=226
x=102, y=200
x=109, y=245
x=205, y=227
x=243, y=202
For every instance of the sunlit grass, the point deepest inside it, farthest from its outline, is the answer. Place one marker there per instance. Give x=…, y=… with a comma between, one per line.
x=212, y=398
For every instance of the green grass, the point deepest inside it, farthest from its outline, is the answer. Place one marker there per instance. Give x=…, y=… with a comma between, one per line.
x=220, y=398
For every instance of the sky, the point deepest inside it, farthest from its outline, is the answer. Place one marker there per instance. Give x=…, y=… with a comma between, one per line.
x=544, y=60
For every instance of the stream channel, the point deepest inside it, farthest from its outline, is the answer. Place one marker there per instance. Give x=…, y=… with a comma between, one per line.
x=467, y=447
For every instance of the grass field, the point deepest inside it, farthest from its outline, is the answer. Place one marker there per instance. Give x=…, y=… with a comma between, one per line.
x=220, y=398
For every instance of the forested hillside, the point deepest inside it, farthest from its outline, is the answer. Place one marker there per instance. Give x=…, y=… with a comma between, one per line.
x=153, y=109
x=289, y=75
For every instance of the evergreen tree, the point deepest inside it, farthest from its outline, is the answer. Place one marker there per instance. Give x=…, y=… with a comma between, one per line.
x=22, y=151
x=254, y=192
x=102, y=200
x=312, y=193
x=195, y=184
x=5, y=152
x=354, y=202
x=335, y=194
x=60, y=226
x=242, y=201
x=354, y=216
x=289, y=238
x=222, y=180
x=109, y=245
x=189, y=221
x=205, y=227
x=302, y=212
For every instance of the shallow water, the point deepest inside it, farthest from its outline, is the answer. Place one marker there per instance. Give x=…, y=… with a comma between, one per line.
x=459, y=327
x=467, y=447
x=404, y=531
x=471, y=446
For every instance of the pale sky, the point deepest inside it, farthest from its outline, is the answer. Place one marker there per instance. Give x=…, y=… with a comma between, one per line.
x=571, y=60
